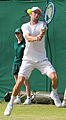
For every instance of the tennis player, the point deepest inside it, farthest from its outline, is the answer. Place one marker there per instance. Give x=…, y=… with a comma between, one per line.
x=19, y=47
x=34, y=57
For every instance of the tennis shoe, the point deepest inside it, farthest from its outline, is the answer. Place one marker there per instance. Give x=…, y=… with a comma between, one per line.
x=17, y=101
x=27, y=102
x=63, y=103
x=56, y=99
x=8, y=109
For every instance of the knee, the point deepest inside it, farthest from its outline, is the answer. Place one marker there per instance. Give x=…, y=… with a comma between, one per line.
x=54, y=76
x=20, y=81
x=26, y=82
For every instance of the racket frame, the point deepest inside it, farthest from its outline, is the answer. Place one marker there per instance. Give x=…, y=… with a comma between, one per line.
x=45, y=23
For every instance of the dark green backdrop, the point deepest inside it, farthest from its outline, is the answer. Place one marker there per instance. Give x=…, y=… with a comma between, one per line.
x=11, y=13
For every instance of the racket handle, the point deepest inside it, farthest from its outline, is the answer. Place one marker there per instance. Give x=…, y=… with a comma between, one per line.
x=44, y=26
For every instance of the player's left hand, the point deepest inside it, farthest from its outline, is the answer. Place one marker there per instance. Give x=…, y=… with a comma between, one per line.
x=43, y=30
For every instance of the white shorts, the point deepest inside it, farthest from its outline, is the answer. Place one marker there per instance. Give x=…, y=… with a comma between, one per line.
x=43, y=66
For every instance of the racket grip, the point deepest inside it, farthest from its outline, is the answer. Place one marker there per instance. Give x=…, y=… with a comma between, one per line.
x=44, y=26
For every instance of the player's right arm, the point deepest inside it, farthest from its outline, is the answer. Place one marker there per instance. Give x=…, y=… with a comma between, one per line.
x=29, y=37
x=32, y=39
x=36, y=38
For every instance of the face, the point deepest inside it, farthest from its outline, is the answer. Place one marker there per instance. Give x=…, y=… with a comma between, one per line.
x=18, y=35
x=35, y=15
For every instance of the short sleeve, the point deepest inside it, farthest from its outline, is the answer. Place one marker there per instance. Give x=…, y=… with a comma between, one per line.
x=25, y=29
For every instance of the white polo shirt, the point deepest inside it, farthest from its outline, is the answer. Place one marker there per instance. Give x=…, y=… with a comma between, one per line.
x=34, y=51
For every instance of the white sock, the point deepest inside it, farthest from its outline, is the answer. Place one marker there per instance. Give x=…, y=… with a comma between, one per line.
x=12, y=99
x=28, y=97
x=54, y=90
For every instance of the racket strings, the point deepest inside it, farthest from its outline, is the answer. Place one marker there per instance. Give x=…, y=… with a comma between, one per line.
x=49, y=13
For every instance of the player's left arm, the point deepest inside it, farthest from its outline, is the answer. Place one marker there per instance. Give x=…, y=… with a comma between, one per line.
x=35, y=38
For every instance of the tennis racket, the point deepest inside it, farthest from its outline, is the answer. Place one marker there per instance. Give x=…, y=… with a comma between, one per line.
x=49, y=14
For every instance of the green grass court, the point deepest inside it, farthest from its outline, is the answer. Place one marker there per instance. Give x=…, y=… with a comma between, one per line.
x=33, y=112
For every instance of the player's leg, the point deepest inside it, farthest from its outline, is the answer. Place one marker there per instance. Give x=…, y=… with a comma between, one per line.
x=16, y=79
x=15, y=92
x=25, y=70
x=51, y=73
x=46, y=68
x=17, y=100
x=15, y=70
x=24, y=73
x=54, y=80
x=28, y=100
x=27, y=87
